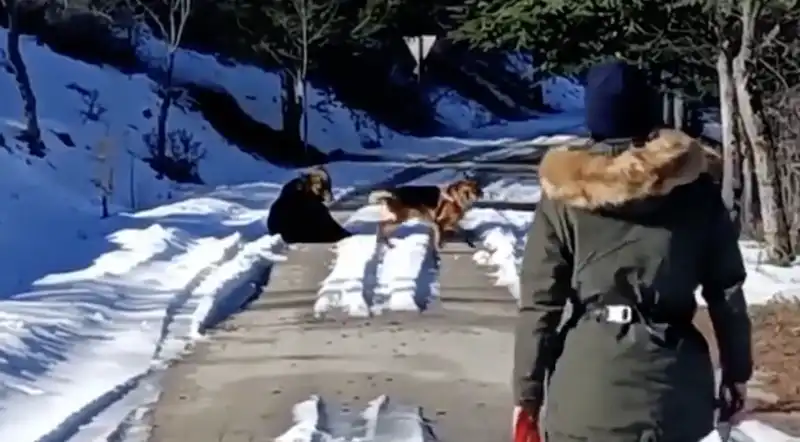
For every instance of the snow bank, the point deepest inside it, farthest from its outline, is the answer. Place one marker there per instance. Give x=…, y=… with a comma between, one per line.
x=765, y=282
x=83, y=338
x=752, y=431
x=560, y=93
x=503, y=235
x=368, y=279
x=382, y=420
x=106, y=332
x=221, y=293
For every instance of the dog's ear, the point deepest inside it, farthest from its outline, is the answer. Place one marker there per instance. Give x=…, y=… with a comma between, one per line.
x=298, y=183
x=320, y=182
x=322, y=173
x=477, y=188
x=470, y=189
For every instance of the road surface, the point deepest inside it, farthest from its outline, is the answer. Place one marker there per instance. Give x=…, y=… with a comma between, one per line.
x=454, y=360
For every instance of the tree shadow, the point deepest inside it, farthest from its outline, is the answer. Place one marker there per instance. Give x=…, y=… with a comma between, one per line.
x=278, y=147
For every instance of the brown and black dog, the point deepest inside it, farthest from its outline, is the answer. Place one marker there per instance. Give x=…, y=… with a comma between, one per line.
x=442, y=207
x=300, y=213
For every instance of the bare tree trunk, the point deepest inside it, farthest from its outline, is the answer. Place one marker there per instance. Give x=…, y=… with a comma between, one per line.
x=667, y=113
x=751, y=208
x=679, y=112
x=305, y=115
x=292, y=110
x=788, y=179
x=732, y=159
x=304, y=17
x=33, y=134
x=163, y=112
x=132, y=181
x=773, y=213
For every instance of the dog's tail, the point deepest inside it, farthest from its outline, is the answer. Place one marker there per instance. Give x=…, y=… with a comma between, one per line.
x=379, y=196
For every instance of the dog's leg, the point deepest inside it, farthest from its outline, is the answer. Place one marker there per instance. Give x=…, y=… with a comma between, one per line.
x=469, y=237
x=387, y=219
x=430, y=218
x=382, y=233
x=437, y=245
x=438, y=237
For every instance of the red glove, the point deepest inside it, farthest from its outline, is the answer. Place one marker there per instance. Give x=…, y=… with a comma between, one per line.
x=526, y=427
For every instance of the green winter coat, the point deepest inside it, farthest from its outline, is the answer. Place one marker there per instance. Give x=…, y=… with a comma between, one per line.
x=645, y=227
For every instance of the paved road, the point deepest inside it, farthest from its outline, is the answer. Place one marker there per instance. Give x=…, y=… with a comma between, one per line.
x=516, y=159
x=487, y=172
x=453, y=360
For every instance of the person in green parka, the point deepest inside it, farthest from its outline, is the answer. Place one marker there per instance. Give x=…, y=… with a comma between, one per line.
x=628, y=227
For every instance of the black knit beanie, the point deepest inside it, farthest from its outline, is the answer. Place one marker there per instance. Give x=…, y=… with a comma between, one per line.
x=619, y=102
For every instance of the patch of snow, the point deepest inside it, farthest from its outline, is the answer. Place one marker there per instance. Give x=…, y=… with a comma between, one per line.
x=752, y=431
x=368, y=278
x=560, y=93
x=221, y=293
x=563, y=94
x=503, y=234
x=518, y=190
x=382, y=420
x=764, y=281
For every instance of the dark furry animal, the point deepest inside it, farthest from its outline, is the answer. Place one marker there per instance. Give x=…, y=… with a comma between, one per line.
x=300, y=214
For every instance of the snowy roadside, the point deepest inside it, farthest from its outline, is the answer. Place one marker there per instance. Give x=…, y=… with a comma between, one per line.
x=503, y=236
x=82, y=340
x=384, y=420
x=367, y=278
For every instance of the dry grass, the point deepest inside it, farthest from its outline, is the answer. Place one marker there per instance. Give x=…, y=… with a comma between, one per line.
x=776, y=347
x=776, y=351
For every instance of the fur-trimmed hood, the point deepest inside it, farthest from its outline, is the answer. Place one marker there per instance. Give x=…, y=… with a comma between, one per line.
x=588, y=179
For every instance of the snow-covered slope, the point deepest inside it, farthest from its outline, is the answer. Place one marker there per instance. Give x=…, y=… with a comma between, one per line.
x=332, y=125
x=81, y=104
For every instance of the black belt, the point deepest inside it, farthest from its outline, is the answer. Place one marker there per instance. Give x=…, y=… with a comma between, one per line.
x=664, y=331
x=614, y=314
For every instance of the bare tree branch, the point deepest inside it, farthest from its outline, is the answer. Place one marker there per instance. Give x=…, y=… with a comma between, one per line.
x=171, y=27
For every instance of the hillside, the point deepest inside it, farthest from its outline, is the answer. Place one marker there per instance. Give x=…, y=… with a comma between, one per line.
x=96, y=121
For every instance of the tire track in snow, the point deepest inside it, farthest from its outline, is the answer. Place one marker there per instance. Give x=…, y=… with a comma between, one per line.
x=86, y=414
x=381, y=421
